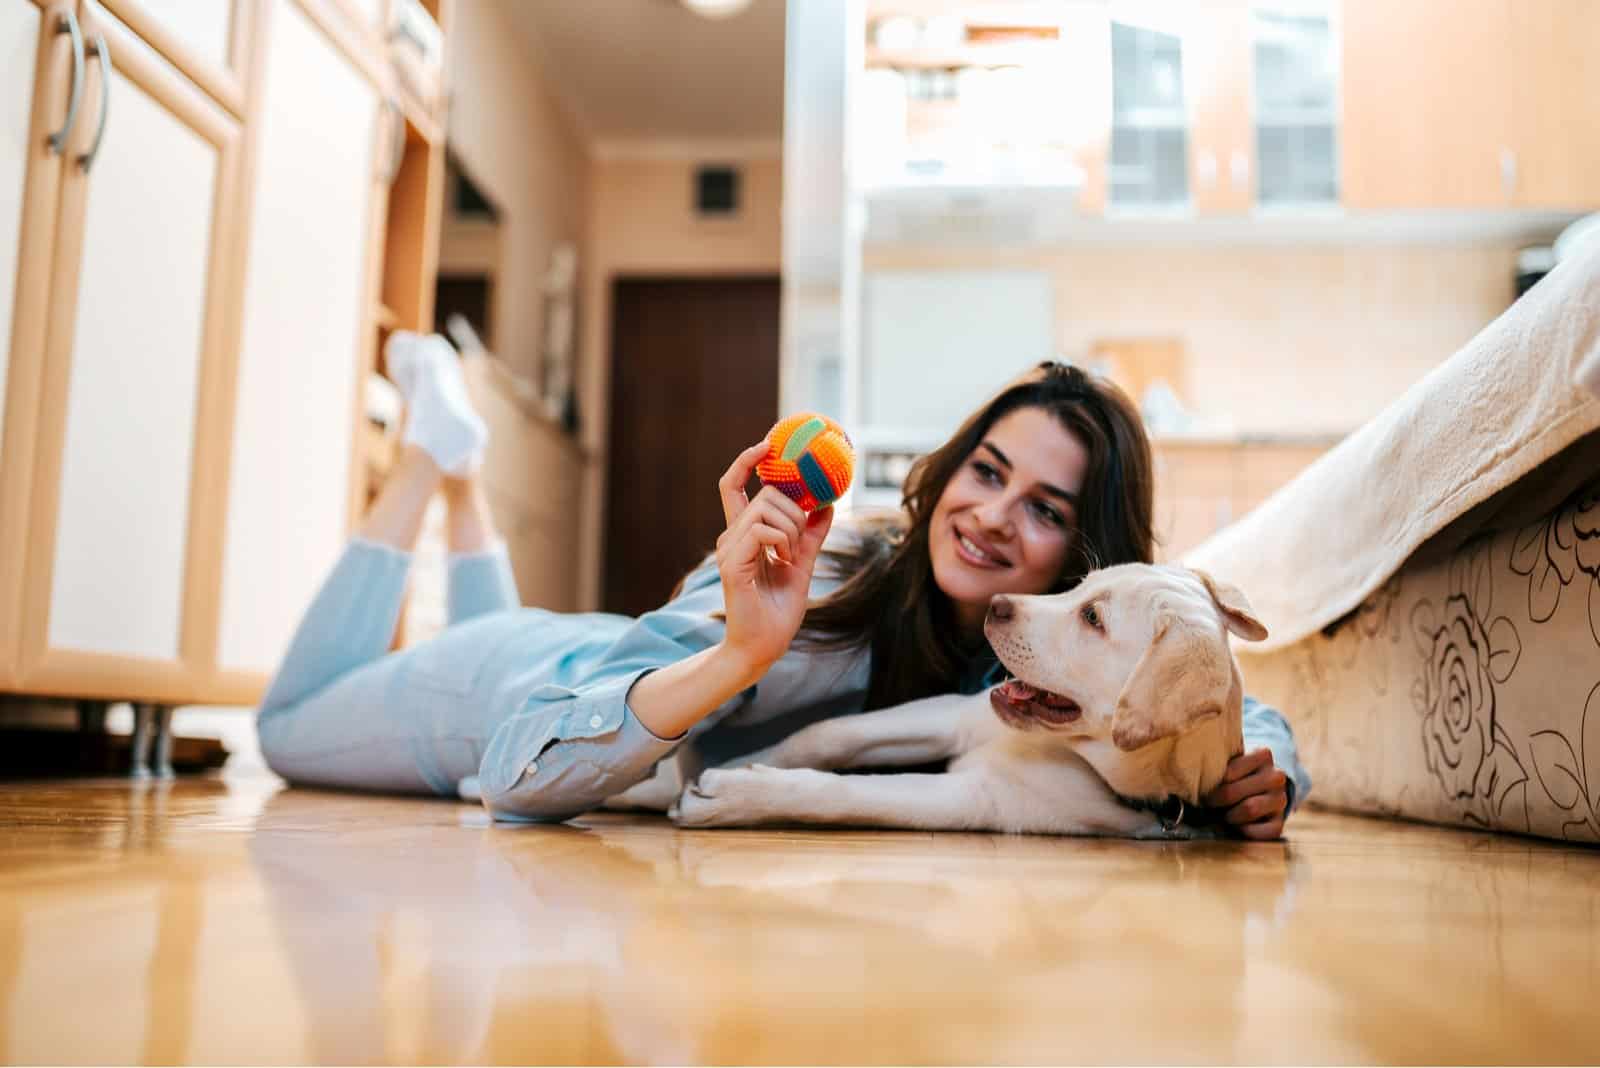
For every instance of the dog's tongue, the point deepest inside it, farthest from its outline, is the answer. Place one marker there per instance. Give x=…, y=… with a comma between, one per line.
x=1018, y=692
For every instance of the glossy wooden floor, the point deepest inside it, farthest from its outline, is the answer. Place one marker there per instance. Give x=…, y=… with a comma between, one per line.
x=235, y=921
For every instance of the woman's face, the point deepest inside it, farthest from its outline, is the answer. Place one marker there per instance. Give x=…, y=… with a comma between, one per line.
x=1006, y=520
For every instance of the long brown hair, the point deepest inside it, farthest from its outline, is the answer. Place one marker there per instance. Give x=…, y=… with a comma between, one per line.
x=891, y=603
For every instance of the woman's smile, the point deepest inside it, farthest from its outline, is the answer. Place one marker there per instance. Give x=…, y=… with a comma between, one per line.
x=978, y=552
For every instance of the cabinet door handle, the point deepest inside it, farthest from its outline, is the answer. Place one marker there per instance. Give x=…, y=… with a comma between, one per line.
x=1508, y=171
x=67, y=23
x=397, y=140
x=101, y=51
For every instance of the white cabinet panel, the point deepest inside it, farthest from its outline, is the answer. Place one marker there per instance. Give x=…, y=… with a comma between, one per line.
x=303, y=317
x=372, y=12
x=202, y=25
x=121, y=535
x=19, y=37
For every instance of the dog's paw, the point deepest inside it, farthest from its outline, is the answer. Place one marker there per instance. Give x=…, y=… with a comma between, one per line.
x=720, y=798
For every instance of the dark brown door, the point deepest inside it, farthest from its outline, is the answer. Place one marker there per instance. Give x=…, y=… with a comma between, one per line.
x=466, y=294
x=694, y=380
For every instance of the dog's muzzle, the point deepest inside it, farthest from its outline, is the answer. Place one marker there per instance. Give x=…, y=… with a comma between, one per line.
x=1020, y=704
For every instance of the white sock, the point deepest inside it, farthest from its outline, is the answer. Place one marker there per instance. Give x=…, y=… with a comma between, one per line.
x=440, y=418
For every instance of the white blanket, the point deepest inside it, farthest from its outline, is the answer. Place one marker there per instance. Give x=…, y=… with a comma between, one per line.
x=1521, y=391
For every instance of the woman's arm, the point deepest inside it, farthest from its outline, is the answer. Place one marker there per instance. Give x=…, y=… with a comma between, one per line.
x=765, y=559
x=671, y=700
x=570, y=749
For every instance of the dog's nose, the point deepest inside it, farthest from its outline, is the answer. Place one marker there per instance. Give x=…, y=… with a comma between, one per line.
x=1001, y=609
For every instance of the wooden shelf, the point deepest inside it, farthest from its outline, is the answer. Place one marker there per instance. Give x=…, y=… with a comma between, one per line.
x=420, y=125
x=385, y=317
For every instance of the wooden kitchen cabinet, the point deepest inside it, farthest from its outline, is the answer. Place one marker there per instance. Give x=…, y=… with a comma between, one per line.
x=1471, y=104
x=135, y=317
x=1204, y=485
x=1427, y=105
x=1217, y=64
x=1554, y=91
x=299, y=377
x=190, y=287
x=1220, y=107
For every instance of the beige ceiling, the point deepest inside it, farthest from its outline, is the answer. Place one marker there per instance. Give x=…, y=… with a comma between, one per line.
x=651, y=69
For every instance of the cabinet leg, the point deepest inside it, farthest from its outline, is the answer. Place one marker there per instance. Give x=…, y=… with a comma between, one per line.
x=151, y=751
x=144, y=728
x=139, y=752
x=161, y=762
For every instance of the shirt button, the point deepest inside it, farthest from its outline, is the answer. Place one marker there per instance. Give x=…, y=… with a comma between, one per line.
x=533, y=767
x=595, y=721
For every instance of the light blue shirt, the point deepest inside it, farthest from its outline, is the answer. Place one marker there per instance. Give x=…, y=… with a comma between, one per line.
x=569, y=740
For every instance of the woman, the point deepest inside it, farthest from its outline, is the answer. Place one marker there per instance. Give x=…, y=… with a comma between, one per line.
x=544, y=716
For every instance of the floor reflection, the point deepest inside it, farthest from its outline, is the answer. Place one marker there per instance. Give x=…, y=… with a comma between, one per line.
x=217, y=922
x=622, y=940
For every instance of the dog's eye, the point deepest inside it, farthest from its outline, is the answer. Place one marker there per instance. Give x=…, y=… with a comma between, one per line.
x=1091, y=616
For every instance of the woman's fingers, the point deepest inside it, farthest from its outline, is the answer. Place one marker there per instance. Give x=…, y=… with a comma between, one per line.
x=1264, y=780
x=779, y=511
x=775, y=510
x=759, y=537
x=817, y=525
x=782, y=503
x=1253, y=796
x=1265, y=831
x=1258, y=808
x=731, y=485
x=762, y=512
x=1241, y=766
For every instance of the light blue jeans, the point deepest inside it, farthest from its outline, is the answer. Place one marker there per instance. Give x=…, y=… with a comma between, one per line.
x=345, y=711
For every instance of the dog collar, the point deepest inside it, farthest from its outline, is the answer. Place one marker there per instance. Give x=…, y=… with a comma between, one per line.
x=1169, y=811
x=1173, y=811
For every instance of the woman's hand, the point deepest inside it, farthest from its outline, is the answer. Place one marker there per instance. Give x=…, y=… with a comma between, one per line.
x=1254, y=795
x=765, y=594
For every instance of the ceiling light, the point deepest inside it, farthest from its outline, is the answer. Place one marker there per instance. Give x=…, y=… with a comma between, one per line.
x=716, y=9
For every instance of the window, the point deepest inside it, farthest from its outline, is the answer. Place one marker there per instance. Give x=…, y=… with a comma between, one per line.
x=1296, y=94
x=1149, y=126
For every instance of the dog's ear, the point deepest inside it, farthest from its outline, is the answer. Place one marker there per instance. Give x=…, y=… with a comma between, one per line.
x=1178, y=682
x=1237, y=614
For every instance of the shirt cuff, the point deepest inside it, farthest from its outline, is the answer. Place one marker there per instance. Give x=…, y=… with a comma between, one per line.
x=566, y=751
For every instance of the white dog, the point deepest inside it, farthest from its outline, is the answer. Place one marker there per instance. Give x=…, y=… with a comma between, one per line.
x=1124, y=711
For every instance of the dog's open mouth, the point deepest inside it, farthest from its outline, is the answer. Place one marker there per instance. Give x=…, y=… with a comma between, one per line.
x=1016, y=702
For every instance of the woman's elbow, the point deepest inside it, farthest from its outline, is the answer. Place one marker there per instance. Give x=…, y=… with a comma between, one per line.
x=551, y=791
